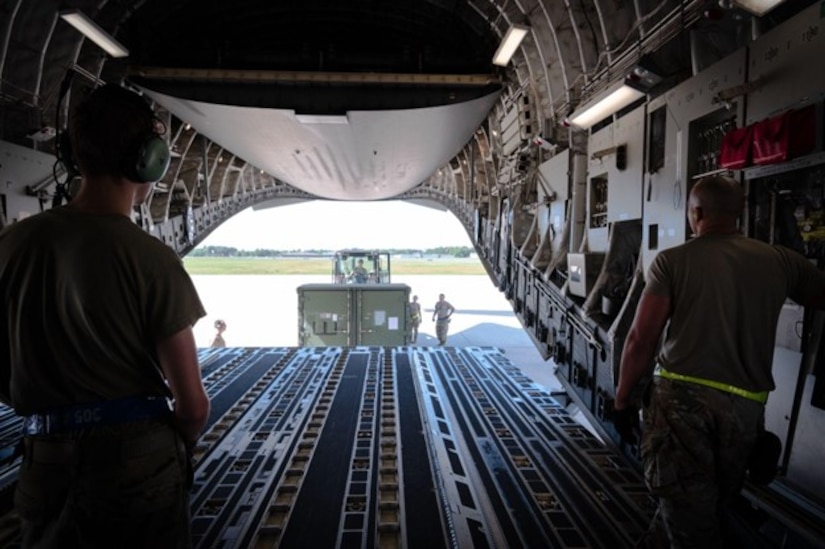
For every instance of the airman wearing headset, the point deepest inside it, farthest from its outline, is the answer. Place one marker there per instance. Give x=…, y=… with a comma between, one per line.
x=114, y=403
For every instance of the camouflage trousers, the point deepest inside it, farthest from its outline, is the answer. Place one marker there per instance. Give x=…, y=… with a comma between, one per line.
x=441, y=328
x=415, y=322
x=121, y=486
x=695, y=447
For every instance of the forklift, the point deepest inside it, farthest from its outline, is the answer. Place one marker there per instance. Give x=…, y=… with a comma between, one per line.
x=345, y=263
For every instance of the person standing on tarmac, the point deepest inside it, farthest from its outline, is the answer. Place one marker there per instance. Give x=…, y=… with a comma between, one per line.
x=719, y=295
x=96, y=337
x=415, y=317
x=441, y=316
x=218, y=341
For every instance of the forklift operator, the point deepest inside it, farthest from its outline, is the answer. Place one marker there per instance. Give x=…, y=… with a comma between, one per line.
x=359, y=274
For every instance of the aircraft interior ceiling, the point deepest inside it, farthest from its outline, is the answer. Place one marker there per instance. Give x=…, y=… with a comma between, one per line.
x=320, y=67
x=270, y=102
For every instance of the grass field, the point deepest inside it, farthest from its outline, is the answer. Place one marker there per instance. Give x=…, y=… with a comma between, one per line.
x=267, y=266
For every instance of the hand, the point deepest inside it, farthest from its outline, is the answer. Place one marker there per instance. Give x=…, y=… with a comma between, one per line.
x=626, y=422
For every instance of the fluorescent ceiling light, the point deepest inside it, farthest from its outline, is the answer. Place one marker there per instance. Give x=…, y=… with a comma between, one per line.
x=512, y=40
x=757, y=7
x=93, y=32
x=616, y=97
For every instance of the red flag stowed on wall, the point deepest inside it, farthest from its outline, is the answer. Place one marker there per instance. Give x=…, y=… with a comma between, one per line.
x=783, y=137
x=736, y=148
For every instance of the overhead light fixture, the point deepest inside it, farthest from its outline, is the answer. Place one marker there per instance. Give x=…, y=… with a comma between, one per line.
x=645, y=75
x=511, y=42
x=616, y=97
x=93, y=32
x=757, y=7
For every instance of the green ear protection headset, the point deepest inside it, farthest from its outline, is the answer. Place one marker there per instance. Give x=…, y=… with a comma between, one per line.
x=146, y=164
x=149, y=162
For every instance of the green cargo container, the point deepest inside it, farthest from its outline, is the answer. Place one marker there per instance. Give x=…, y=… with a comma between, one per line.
x=353, y=314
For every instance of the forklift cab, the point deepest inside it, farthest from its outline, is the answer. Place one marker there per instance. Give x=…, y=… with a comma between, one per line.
x=361, y=267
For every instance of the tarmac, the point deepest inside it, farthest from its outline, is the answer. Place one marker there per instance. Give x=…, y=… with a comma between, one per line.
x=262, y=311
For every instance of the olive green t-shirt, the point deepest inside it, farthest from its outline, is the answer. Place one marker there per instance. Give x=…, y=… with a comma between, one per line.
x=85, y=298
x=726, y=294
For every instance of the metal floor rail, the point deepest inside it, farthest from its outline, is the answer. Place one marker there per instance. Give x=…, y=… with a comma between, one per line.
x=396, y=447
x=401, y=447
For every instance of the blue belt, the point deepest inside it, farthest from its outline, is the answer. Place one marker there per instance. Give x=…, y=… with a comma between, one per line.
x=108, y=412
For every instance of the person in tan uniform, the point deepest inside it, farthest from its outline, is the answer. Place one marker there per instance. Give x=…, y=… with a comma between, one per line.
x=220, y=327
x=415, y=318
x=96, y=348
x=442, y=312
x=716, y=300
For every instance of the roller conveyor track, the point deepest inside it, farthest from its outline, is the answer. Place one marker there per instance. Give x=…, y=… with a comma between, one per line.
x=10, y=425
x=400, y=447
x=406, y=447
x=530, y=446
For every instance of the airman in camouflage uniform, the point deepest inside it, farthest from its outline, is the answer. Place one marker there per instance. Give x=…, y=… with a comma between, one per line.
x=415, y=318
x=713, y=371
x=441, y=316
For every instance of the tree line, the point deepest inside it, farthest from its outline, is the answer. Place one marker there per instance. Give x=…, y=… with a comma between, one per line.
x=228, y=251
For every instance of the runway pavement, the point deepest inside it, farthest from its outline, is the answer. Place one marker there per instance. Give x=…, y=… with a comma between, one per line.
x=262, y=311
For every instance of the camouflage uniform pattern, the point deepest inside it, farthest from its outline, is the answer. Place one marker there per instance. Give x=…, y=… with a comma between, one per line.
x=695, y=446
x=442, y=311
x=124, y=486
x=441, y=328
x=415, y=319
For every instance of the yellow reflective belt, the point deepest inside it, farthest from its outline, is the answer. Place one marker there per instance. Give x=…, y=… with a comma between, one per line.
x=760, y=397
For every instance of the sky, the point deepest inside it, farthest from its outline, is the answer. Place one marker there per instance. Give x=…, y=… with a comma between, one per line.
x=333, y=225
